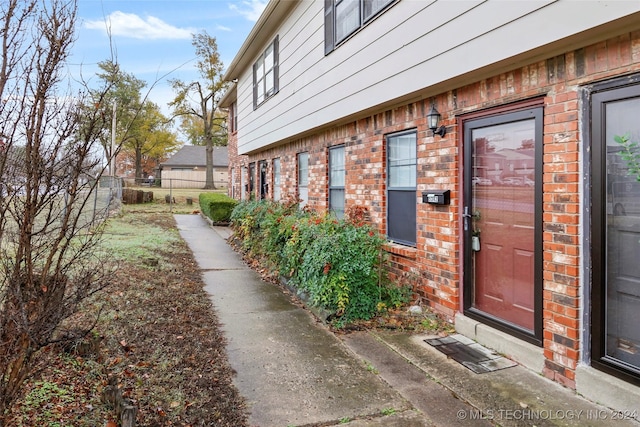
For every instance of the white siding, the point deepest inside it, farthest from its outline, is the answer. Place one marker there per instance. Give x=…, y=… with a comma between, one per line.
x=415, y=49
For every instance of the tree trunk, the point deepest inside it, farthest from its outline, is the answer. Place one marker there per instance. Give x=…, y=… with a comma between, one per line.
x=210, y=184
x=139, y=177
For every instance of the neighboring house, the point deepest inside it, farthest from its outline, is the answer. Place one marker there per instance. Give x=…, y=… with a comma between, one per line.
x=188, y=166
x=332, y=101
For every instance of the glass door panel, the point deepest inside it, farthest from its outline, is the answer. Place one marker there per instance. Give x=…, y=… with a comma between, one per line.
x=503, y=221
x=622, y=310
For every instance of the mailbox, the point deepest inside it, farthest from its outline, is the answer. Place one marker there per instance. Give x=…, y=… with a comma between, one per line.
x=436, y=197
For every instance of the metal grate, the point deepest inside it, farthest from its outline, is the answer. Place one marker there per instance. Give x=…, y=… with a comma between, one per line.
x=470, y=354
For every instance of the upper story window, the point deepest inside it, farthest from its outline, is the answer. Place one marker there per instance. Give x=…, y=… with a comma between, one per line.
x=343, y=17
x=265, y=74
x=233, y=117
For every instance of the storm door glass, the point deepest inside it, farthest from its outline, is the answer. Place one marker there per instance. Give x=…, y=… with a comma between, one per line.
x=622, y=310
x=502, y=221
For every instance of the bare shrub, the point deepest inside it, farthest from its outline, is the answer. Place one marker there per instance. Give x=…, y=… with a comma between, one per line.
x=50, y=170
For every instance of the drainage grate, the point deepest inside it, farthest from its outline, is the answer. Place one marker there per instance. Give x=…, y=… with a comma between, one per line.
x=470, y=354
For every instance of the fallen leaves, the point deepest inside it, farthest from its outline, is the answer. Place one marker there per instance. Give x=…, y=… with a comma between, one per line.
x=162, y=346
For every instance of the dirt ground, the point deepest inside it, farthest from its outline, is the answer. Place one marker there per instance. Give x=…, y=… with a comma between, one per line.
x=159, y=341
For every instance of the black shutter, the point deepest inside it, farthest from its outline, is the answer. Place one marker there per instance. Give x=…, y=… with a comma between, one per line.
x=329, y=31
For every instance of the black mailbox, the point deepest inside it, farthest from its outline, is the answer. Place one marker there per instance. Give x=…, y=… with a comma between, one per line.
x=436, y=197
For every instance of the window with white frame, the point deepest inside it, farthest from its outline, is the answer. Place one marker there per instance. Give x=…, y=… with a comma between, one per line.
x=401, y=187
x=344, y=17
x=265, y=74
x=303, y=178
x=336, y=180
x=233, y=117
x=277, y=190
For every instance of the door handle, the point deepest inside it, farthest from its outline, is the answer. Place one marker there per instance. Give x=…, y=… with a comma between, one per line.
x=466, y=216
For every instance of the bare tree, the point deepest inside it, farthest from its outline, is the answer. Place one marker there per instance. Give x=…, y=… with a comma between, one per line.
x=50, y=168
x=198, y=101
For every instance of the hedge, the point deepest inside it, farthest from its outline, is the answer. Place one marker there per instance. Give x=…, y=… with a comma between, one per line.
x=217, y=206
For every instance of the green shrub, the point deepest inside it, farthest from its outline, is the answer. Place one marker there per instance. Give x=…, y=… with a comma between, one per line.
x=217, y=206
x=338, y=263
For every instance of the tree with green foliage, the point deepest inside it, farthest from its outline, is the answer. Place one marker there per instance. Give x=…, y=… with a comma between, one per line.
x=142, y=131
x=149, y=139
x=197, y=102
x=123, y=99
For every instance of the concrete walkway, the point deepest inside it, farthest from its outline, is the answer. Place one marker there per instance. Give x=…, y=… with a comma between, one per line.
x=294, y=372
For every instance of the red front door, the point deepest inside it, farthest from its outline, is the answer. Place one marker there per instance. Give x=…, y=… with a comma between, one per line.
x=500, y=219
x=504, y=264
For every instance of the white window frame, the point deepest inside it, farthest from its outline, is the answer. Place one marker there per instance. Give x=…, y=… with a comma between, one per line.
x=277, y=189
x=337, y=177
x=342, y=18
x=402, y=169
x=265, y=74
x=303, y=178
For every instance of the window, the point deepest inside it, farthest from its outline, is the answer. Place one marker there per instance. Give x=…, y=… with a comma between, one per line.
x=401, y=187
x=336, y=180
x=233, y=183
x=347, y=18
x=243, y=183
x=303, y=178
x=264, y=185
x=277, y=191
x=233, y=117
x=265, y=74
x=343, y=17
x=252, y=177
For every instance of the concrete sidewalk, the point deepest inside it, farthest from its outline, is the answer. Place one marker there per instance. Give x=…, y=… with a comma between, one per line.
x=294, y=372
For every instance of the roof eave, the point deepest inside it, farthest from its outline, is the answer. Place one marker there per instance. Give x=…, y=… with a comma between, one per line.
x=266, y=25
x=229, y=96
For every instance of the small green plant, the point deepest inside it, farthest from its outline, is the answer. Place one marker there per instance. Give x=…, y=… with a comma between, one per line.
x=430, y=324
x=630, y=154
x=372, y=369
x=388, y=411
x=345, y=420
x=44, y=394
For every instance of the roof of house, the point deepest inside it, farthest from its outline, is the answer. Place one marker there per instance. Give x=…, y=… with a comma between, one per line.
x=195, y=155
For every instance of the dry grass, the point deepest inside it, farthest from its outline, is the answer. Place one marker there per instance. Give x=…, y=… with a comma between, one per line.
x=159, y=338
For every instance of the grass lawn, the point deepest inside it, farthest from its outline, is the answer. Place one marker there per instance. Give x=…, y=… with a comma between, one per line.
x=179, y=196
x=159, y=337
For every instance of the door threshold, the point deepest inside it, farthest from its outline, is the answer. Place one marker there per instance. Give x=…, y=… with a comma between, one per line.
x=526, y=354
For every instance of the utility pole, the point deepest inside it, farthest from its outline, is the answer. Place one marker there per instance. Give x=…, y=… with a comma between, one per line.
x=112, y=158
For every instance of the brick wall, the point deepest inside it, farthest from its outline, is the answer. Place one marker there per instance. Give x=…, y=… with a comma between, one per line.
x=434, y=266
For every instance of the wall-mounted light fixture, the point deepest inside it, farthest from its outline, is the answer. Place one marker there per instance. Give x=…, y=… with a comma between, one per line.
x=433, y=118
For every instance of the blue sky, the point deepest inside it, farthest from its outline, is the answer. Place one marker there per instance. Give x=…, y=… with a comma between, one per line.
x=153, y=37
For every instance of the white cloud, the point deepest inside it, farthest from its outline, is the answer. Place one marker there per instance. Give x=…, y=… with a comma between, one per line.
x=132, y=25
x=250, y=9
x=222, y=28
